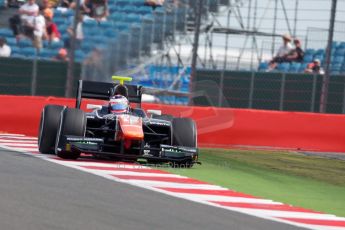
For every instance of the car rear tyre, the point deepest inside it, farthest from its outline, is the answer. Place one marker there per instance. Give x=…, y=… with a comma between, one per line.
x=72, y=122
x=49, y=124
x=184, y=134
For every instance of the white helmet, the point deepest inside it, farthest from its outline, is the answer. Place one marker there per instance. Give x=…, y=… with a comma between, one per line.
x=118, y=104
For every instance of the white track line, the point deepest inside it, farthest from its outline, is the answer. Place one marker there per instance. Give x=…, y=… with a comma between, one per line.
x=11, y=135
x=20, y=144
x=152, y=183
x=3, y=141
x=18, y=138
x=129, y=173
x=227, y=198
x=95, y=163
x=284, y=214
x=320, y=227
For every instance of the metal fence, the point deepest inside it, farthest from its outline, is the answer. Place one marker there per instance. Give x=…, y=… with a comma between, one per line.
x=316, y=38
x=272, y=91
x=35, y=77
x=237, y=89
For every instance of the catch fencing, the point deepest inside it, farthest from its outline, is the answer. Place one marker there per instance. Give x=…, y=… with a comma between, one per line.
x=262, y=90
x=236, y=89
x=35, y=77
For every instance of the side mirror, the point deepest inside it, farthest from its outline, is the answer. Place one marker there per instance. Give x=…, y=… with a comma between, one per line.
x=93, y=107
x=149, y=98
x=150, y=112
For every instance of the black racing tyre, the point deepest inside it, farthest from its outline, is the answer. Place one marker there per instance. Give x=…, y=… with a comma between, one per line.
x=184, y=132
x=49, y=124
x=72, y=122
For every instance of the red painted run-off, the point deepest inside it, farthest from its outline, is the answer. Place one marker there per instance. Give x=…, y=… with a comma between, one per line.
x=217, y=127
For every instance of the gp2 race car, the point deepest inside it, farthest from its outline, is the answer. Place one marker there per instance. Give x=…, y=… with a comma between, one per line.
x=130, y=135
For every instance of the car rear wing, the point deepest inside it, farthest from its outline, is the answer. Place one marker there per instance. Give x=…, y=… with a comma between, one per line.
x=104, y=90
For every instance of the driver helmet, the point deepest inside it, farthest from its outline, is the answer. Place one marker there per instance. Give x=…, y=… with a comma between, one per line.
x=118, y=104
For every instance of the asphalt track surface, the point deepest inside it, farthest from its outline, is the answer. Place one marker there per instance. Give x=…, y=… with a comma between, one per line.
x=37, y=194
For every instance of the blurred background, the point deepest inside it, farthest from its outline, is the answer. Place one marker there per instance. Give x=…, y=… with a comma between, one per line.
x=196, y=52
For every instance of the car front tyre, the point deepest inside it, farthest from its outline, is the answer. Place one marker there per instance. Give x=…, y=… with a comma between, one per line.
x=49, y=123
x=73, y=123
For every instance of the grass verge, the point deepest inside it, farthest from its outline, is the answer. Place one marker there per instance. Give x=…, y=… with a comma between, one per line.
x=311, y=182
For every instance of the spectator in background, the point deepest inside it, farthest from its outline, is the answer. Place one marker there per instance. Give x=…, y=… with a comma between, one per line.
x=5, y=50
x=39, y=30
x=286, y=47
x=314, y=67
x=79, y=35
x=28, y=11
x=22, y=22
x=283, y=51
x=86, y=7
x=53, y=3
x=154, y=3
x=52, y=32
x=295, y=55
x=45, y=4
x=48, y=13
x=65, y=4
x=99, y=10
x=62, y=55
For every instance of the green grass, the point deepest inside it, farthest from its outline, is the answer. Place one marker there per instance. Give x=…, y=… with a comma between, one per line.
x=308, y=181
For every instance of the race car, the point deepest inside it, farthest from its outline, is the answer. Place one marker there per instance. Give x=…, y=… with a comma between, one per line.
x=116, y=130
